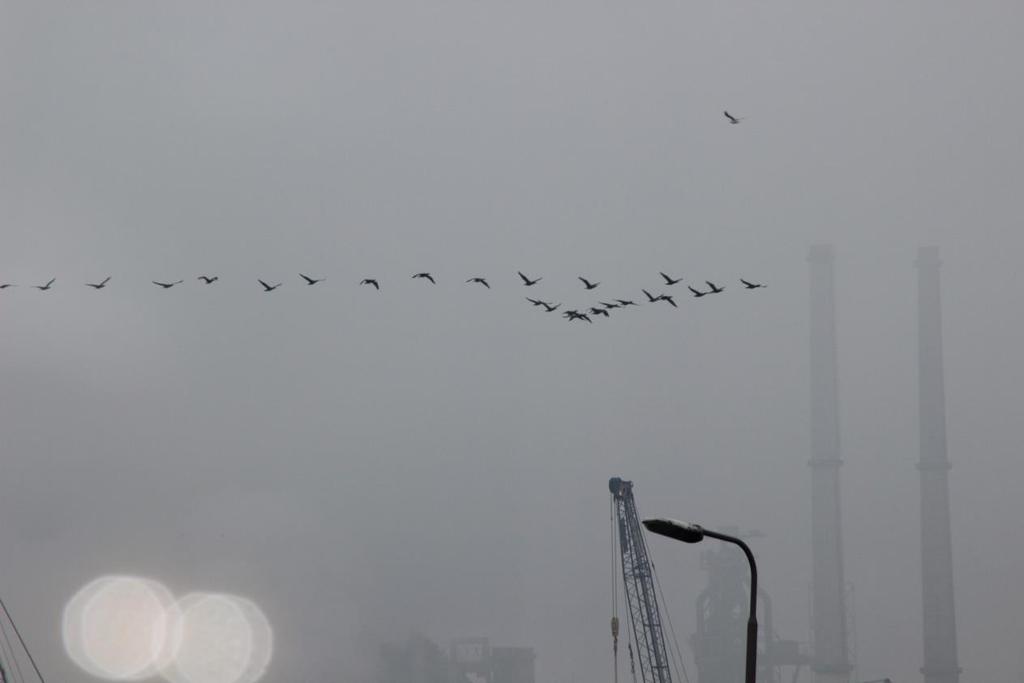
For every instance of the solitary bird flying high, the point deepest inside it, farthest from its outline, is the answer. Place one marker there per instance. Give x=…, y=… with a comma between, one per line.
x=527, y=281
x=268, y=288
x=46, y=287
x=167, y=285
x=587, y=284
x=732, y=119
x=6, y=285
x=479, y=281
x=371, y=281
x=98, y=285
x=715, y=289
x=751, y=285
x=424, y=276
x=309, y=280
x=670, y=281
x=697, y=293
x=207, y=279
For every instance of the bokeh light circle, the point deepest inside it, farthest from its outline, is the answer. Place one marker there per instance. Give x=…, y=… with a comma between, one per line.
x=223, y=639
x=120, y=627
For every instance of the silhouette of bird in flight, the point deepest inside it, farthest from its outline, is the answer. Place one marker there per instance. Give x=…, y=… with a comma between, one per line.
x=626, y=302
x=751, y=285
x=600, y=311
x=99, y=285
x=167, y=285
x=6, y=285
x=576, y=315
x=309, y=280
x=371, y=281
x=207, y=279
x=609, y=306
x=714, y=288
x=697, y=293
x=587, y=284
x=732, y=119
x=527, y=281
x=46, y=287
x=670, y=281
x=424, y=276
x=669, y=299
x=479, y=281
x=650, y=297
x=550, y=308
x=535, y=302
x=268, y=288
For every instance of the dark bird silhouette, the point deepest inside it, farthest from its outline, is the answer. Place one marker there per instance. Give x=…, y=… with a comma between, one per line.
x=167, y=285
x=697, y=293
x=669, y=299
x=207, y=279
x=268, y=288
x=99, y=285
x=6, y=285
x=670, y=281
x=751, y=285
x=371, y=281
x=600, y=311
x=587, y=284
x=609, y=306
x=527, y=281
x=549, y=307
x=732, y=119
x=650, y=297
x=714, y=288
x=535, y=302
x=310, y=280
x=424, y=276
x=626, y=302
x=576, y=315
x=479, y=281
x=46, y=287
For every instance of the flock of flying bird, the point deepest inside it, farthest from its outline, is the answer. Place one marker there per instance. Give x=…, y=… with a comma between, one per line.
x=602, y=308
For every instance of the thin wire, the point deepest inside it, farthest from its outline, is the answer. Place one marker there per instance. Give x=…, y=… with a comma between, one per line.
x=677, y=655
x=21, y=640
x=671, y=628
x=13, y=656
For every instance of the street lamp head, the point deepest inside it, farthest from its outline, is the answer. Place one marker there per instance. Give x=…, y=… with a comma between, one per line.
x=681, y=531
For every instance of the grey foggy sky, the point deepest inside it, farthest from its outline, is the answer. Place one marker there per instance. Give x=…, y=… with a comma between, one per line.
x=437, y=458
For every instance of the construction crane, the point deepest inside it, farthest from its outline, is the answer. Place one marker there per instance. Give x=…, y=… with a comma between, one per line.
x=639, y=585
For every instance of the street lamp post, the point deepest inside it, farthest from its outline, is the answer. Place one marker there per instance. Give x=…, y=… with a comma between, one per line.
x=693, y=533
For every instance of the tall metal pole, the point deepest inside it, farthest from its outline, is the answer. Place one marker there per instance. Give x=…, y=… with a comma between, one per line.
x=831, y=659
x=939, y=615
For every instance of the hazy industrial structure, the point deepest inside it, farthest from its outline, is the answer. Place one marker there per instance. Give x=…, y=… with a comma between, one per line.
x=722, y=619
x=475, y=659
x=939, y=615
x=828, y=628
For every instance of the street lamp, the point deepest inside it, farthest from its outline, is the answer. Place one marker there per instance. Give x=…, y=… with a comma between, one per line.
x=694, y=533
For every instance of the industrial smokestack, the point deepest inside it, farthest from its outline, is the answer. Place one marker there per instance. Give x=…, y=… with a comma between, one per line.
x=940, y=655
x=831, y=661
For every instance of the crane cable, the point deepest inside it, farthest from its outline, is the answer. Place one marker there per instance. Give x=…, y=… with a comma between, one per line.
x=676, y=654
x=9, y=657
x=615, y=598
x=21, y=640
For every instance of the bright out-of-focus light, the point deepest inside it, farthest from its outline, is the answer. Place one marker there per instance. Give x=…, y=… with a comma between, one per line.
x=224, y=639
x=125, y=628
x=120, y=627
